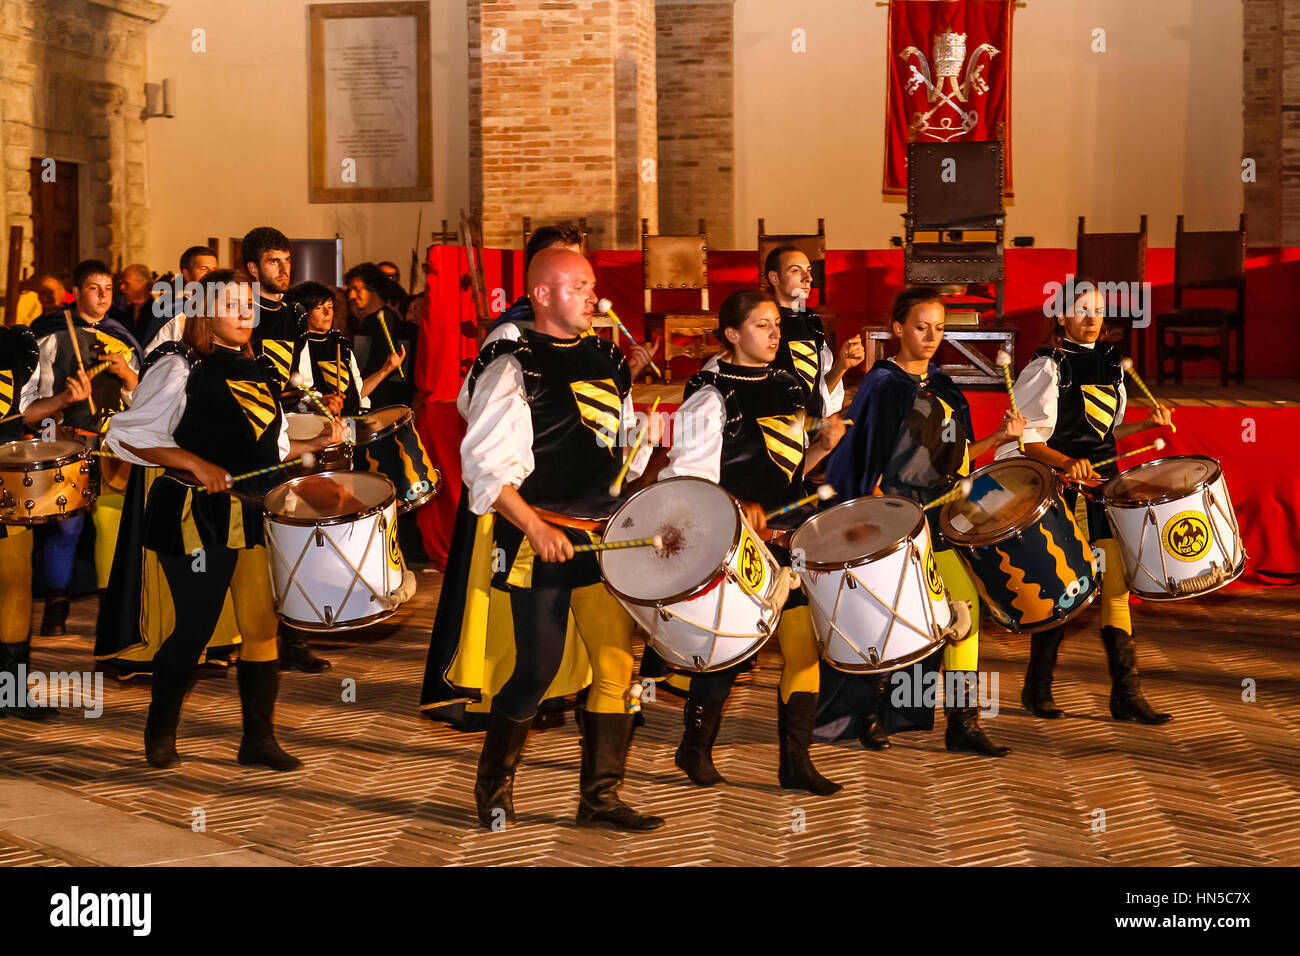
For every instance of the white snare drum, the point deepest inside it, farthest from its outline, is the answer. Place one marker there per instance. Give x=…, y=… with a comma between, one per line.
x=713, y=595
x=877, y=600
x=1176, y=527
x=332, y=539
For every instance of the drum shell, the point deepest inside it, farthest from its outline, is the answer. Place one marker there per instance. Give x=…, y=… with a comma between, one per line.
x=1037, y=578
x=331, y=458
x=71, y=478
x=844, y=594
x=1153, y=568
x=398, y=454
x=368, y=542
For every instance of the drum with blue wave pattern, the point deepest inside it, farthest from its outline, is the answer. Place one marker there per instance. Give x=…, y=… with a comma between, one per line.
x=388, y=444
x=1032, y=565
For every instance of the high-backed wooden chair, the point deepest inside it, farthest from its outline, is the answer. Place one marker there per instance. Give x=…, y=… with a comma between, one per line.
x=1119, y=257
x=581, y=224
x=813, y=246
x=1205, y=261
x=678, y=262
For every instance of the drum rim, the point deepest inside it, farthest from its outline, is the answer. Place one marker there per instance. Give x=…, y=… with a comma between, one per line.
x=982, y=541
x=732, y=662
x=1111, y=502
x=907, y=660
x=709, y=579
x=404, y=506
x=400, y=423
x=1166, y=596
x=271, y=517
x=45, y=464
x=876, y=555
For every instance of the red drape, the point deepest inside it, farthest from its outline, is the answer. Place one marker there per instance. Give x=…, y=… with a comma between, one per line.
x=947, y=69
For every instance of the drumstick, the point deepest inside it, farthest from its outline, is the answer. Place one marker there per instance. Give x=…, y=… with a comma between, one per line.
x=616, y=486
x=76, y=347
x=307, y=459
x=1126, y=364
x=959, y=490
x=1156, y=445
x=821, y=494
x=384, y=325
x=1004, y=360
x=657, y=542
x=605, y=307
x=819, y=422
x=313, y=396
x=338, y=367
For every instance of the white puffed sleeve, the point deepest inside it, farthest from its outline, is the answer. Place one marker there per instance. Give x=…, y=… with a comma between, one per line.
x=832, y=398
x=631, y=428
x=1036, y=392
x=498, y=446
x=356, y=377
x=171, y=331
x=155, y=413
x=506, y=330
x=697, y=437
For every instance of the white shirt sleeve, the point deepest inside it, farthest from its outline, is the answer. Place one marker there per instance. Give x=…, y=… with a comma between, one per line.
x=282, y=444
x=171, y=331
x=356, y=377
x=506, y=330
x=304, y=369
x=632, y=428
x=42, y=382
x=1036, y=392
x=1122, y=405
x=697, y=437
x=832, y=398
x=498, y=446
x=155, y=413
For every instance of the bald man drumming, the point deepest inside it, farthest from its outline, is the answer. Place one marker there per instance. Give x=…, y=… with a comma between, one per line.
x=547, y=424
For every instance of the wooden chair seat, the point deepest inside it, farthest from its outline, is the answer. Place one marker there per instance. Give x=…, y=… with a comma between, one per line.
x=1205, y=261
x=695, y=326
x=1211, y=321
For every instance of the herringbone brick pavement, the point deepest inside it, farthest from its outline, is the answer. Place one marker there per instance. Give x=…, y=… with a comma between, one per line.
x=1218, y=785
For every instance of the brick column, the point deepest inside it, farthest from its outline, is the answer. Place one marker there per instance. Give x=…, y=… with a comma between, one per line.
x=696, y=122
x=562, y=115
x=1271, y=120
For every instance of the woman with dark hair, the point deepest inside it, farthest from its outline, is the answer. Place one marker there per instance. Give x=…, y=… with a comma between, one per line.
x=1073, y=396
x=324, y=357
x=206, y=414
x=370, y=294
x=742, y=425
x=913, y=437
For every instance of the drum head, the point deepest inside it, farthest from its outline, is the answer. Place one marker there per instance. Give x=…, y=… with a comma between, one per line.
x=1006, y=497
x=858, y=530
x=1165, y=480
x=330, y=494
x=305, y=427
x=699, y=523
x=17, y=454
x=374, y=424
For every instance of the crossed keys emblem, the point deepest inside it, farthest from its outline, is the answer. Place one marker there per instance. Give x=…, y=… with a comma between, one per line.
x=942, y=86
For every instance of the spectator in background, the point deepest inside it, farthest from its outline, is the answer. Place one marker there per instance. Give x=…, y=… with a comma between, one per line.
x=51, y=291
x=196, y=262
x=135, y=311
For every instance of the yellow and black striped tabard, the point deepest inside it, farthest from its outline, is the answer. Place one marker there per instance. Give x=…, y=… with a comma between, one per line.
x=575, y=391
x=276, y=328
x=331, y=367
x=800, y=352
x=231, y=419
x=19, y=357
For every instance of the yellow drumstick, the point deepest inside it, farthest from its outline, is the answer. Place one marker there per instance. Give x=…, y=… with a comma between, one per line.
x=823, y=493
x=1156, y=445
x=605, y=307
x=1004, y=360
x=616, y=486
x=656, y=542
x=76, y=347
x=312, y=396
x=960, y=490
x=387, y=335
x=1127, y=365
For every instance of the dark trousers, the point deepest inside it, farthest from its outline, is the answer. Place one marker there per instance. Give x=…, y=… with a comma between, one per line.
x=541, y=617
x=197, y=596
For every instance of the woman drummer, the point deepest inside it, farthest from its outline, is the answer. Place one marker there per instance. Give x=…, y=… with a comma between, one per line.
x=742, y=425
x=1072, y=394
x=913, y=437
x=206, y=416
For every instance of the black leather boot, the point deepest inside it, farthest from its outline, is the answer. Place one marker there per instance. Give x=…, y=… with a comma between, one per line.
x=1037, y=693
x=702, y=718
x=872, y=733
x=12, y=656
x=295, y=655
x=605, y=742
x=54, y=622
x=794, y=724
x=259, y=684
x=494, y=787
x=964, y=734
x=168, y=698
x=1126, y=700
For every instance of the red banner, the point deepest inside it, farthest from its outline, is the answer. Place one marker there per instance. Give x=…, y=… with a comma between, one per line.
x=949, y=69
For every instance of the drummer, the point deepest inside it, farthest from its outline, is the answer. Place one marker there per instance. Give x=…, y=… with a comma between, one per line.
x=1073, y=396
x=325, y=359
x=19, y=359
x=913, y=437
x=742, y=425
x=212, y=419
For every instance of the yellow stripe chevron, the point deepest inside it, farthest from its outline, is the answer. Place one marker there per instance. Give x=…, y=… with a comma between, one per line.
x=327, y=371
x=1099, y=405
x=783, y=435
x=256, y=401
x=111, y=344
x=806, y=360
x=600, y=407
x=6, y=391
x=280, y=352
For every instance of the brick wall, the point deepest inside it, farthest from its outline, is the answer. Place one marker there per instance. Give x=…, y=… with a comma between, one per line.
x=1290, y=133
x=558, y=126
x=1271, y=120
x=696, y=139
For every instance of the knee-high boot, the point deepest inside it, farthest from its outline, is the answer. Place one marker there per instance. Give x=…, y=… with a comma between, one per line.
x=872, y=734
x=794, y=725
x=964, y=734
x=259, y=684
x=54, y=622
x=15, y=660
x=1126, y=700
x=168, y=697
x=605, y=742
x=494, y=786
x=702, y=718
x=1037, y=693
